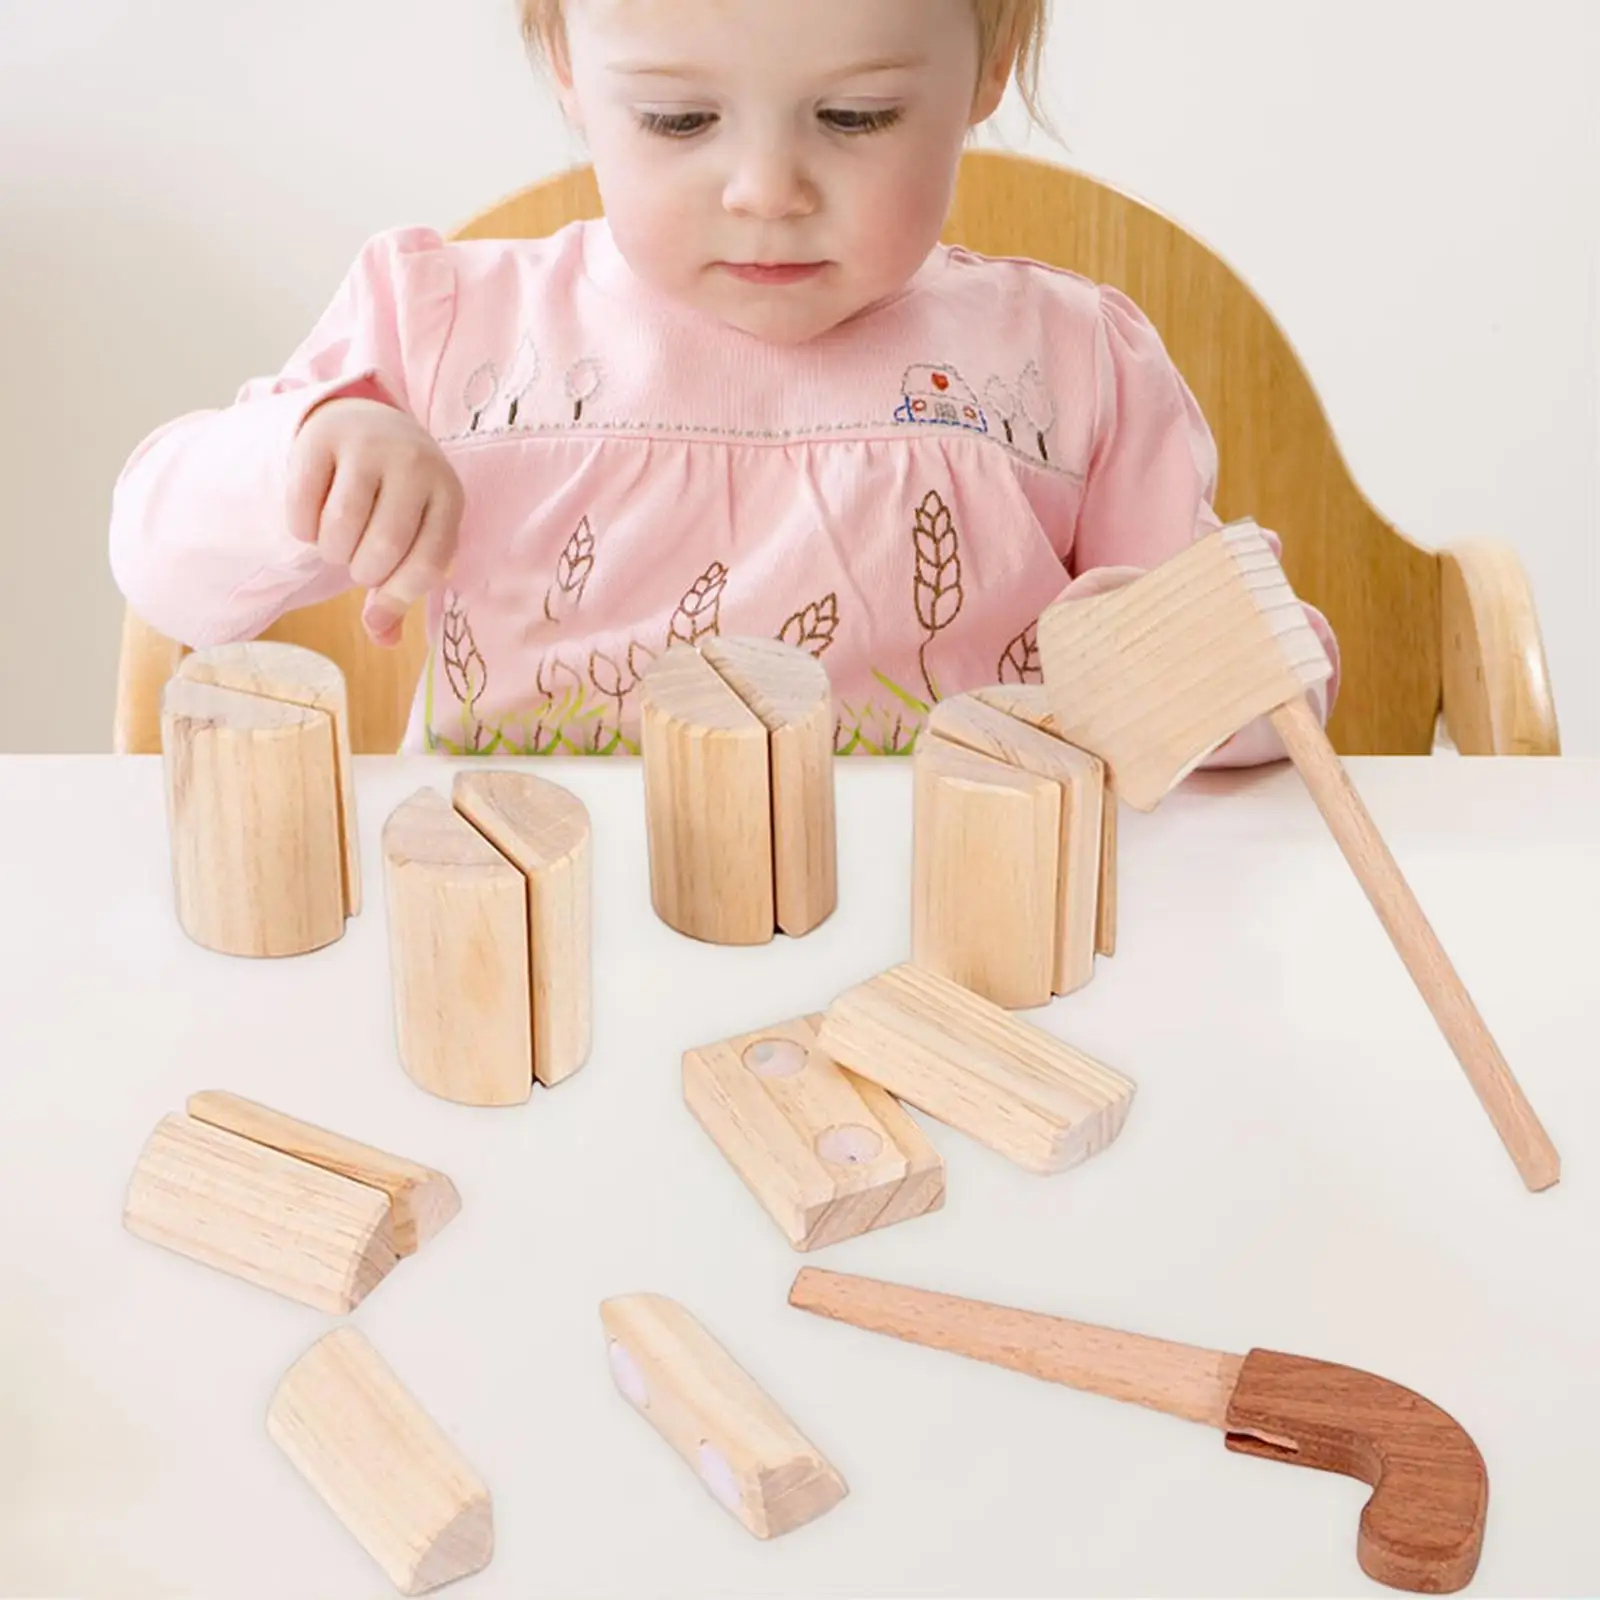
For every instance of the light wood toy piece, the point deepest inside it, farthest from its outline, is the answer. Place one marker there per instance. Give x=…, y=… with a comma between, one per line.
x=828, y=1155
x=489, y=936
x=260, y=799
x=382, y=1465
x=737, y=741
x=1010, y=848
x=740, y=1444
x=970, y=1064
x=1156, y=675
x=1422, y=1528
x=282, y=1203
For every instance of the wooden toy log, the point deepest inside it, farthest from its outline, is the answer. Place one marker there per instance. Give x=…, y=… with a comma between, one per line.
x=301, y=1230
x=1030, y=703
x=828, y=1155
x=742, y=1446
x=381, y=1464
x=544, y=831
x=1154, y=676
x=970, y=1064
x=986, y=873
x=1422, y=1529
x=253, y=812
x=459, y=959
x=296, y=676
x=421, y=1201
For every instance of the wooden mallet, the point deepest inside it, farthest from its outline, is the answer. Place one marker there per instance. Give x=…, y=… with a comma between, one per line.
x=1156, y=675
x=1422, y=1528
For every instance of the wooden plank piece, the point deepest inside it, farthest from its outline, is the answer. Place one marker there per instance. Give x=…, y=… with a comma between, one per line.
x=970, y=1064
x=381, y=1464
x=421, y=1200
x=745, y=1450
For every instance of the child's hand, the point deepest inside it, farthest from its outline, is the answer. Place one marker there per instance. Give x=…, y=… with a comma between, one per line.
x=372, y=491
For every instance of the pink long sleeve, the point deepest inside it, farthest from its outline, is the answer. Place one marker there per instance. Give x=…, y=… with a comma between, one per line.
x=1150, y=489
x=199, y=543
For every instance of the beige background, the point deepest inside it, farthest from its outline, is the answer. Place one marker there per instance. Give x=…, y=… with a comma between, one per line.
x=1412, y=186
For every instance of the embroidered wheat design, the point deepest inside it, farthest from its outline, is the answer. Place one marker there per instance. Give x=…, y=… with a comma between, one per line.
x=1020, y=663
x=464, y=665
x=937, y=584
x=573, y=567
x=812, y=627
x=700, y=610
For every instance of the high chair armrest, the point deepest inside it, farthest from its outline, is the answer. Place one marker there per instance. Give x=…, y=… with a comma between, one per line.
x=148, y=659
x=1497, y=696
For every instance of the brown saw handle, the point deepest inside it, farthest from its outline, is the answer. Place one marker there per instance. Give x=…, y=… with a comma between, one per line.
x=1423, y=1527
x=1441, y=987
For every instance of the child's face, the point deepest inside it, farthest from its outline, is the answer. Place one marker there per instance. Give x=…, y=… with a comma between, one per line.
x=821, y=136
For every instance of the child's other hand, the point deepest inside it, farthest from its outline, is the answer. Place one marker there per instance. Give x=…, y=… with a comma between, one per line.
x=371, y=489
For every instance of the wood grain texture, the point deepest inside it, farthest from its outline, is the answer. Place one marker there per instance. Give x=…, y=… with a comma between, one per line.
x=458, y=955
x=382, y=1465
x=788, y=689
x=708, y=803
x=743, y=1447
x=970, y=1064
x=969, y=721
x=1154, y=676
x=986, y=873
x=298, y=1229
x=828, y=1155
x=253, y=818
x=1412, y=935
x=1422, y=1530
x=544, y=830
x=421, y=1201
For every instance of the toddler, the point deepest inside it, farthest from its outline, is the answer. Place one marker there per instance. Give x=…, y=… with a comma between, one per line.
x=758, y=398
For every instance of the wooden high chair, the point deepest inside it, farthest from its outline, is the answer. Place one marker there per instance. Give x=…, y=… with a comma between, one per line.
x=1419, y=631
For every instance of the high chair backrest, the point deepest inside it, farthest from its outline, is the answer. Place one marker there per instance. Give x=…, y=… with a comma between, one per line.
x=1415, y=629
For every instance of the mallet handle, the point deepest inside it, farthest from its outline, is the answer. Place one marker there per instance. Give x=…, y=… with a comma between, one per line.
x=1513, y=1117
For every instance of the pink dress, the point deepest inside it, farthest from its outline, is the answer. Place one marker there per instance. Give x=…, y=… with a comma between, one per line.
x=901, y=497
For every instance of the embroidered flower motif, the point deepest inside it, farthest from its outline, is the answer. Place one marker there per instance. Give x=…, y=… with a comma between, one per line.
x=812, y=627
x=573, y=567
x=700, y=610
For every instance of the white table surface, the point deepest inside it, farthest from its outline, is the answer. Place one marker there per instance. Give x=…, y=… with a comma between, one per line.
x=1304, y=1168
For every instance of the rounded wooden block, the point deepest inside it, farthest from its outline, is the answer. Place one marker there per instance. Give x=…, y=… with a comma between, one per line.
x=543, y=830
x=708, y=804
x=291, y=673
x=986, y=844
x=253, y=813
x=458, y=945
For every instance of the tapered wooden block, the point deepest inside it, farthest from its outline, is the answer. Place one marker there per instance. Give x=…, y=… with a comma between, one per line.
x=970, y=1064
x=421, y=1201
x=543, y=830
x=286, y=1224
x=253, y=812
x=827, y=1154
x=985, y=846
x=743, y=1447
x=382, y=1465
x=459, y=958
x=737, y=741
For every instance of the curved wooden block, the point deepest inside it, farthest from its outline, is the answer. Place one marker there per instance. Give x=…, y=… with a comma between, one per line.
x=544, y=831
x=253, y=814
x=249, y=1210
x=1423, y=1527
x=458, y=944
x=382, y=1465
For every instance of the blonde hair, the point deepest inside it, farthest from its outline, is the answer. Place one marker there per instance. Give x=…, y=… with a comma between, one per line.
x=1013, y=26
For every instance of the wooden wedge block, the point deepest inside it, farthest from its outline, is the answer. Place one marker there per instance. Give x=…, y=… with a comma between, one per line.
x=745, y=1450
x=253, y=813
x=708, y=803
x=247, y=1209
x=296, y=676
x=985, y=845
x=1030, y=703
x=381, y=1464
x=788, y=690
x=421, y=1201
x=543, y=830
x=459, y=961
x=829, y=1155
x=968, y=1063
